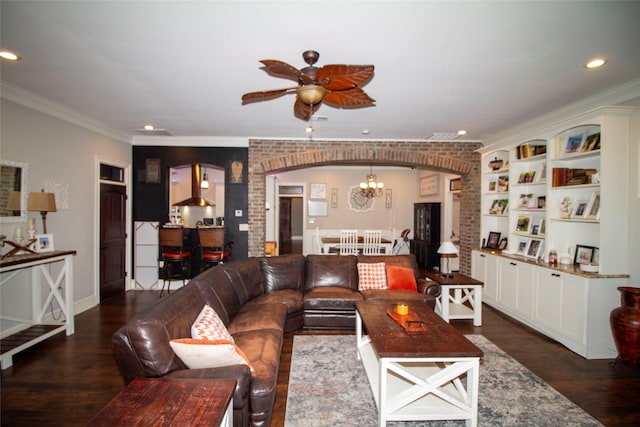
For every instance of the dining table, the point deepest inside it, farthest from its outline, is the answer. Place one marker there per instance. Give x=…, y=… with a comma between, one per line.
x=329, y=242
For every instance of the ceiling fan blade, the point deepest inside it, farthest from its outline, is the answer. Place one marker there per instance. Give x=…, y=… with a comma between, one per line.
x=354, y=97
x=304, y=111
x=341, y=76
x=264, y=95
x=282, y=69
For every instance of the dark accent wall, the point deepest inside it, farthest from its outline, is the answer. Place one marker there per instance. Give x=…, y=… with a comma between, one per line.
x=151, y=201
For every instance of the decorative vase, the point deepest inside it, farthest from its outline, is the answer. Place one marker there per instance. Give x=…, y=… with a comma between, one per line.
x=625, y=325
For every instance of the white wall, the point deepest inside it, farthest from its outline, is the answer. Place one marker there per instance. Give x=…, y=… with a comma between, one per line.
x=57, y=150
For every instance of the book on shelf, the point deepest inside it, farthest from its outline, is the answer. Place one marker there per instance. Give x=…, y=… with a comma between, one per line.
x=562, y=177
x=524, y=151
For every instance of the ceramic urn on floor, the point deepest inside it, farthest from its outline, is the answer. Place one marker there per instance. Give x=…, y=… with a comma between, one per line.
x=625, y=325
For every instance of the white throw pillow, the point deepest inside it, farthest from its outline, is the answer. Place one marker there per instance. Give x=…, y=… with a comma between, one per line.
x=209, y=326
x=372, y=276
x=197, y=354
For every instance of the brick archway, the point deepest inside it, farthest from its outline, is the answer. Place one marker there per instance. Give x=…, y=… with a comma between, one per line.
x=267, y=156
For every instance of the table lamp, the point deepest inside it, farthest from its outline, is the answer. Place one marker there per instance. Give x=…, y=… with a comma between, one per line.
x=448, y=250
x=42, y=202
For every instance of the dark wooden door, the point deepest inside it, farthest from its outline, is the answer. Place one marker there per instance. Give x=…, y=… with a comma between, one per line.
x=112, y=239
x=285, y=226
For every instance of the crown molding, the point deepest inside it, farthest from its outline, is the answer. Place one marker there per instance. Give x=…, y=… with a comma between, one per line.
x=191, y=141
x=612, y=100
x=28, y=99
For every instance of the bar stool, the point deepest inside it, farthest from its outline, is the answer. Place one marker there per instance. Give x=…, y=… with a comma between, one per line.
x=213, y=249
x=176, y=260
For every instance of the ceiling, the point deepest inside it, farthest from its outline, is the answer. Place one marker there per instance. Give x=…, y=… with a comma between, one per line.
x=440, y=66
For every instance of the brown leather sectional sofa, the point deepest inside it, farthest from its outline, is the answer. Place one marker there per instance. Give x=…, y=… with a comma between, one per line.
x=259, y=300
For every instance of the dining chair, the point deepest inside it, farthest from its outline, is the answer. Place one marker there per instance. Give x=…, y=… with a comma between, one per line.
x=348, y=242
x=372, y=241
x=176, y=259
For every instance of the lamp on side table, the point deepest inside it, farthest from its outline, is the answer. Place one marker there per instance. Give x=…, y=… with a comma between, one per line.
x=448, y=250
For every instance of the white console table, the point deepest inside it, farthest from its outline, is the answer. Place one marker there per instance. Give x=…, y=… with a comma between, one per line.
x=40, y=273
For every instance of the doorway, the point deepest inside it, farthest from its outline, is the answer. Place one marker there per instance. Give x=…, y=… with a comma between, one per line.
x=290, y=225
x=113, y=236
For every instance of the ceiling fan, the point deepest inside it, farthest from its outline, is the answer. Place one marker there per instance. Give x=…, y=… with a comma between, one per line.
x=337, y=85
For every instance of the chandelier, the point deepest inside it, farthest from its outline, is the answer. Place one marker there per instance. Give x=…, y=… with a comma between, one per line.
x=371, y=188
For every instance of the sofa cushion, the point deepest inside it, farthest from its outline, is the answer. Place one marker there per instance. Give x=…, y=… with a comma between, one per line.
x=292, y=299
x=331, y=297
x=208, y=326
x=331, y=270
x=219, y=292
x=401, y=278
x=371, y=276
x=201, y=353
x=283, y=272
x=268, y=316
x=246, y=276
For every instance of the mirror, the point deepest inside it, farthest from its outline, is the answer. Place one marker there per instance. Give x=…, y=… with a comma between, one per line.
x=14, y=191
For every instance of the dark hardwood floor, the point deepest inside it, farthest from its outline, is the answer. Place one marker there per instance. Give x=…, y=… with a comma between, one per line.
x=64, y=381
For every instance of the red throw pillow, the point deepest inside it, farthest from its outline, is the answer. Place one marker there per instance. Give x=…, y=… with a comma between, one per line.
x=401, y=278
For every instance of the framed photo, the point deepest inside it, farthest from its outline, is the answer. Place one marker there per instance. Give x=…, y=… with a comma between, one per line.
x=455, y=184
x=574, y=142
x=524, y=201
x=152, y=171
x=492, y=186
x=503, y=184
x=523, y=223
x=317, y=190
x=542, y=173
x=584, y=254
x=542, y=227
x=44, y=243
x=317, y=208
x=535, y=229
x=591, y=142
x=592, y=210
x=429, y=185
x=542, y=202
x=503, y=244
x=580, y=210
x=494, y=240
x=522, y=247
x=534, y=248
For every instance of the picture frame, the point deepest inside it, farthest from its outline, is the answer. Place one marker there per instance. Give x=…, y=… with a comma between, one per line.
x=541, y=175
x=503, y=244
x=591, y=143
x=522, y=247
x=317, y=190
x=493, y=240
x=541, y=202
x=334, y=198
x=592, y=210
x=524, y=200
x=492, y=186
x=542, y=227
x=503, y=183
x=152, y=171
x=317, y=208
x=574, y=142
x=455, y=184
x=584, y=254
x=429, y=185
x=534, y=248
x=237, y=170
x=388, y=198
x=535, y=229
x=44, y=243
x=580, y=209
x=523, y=223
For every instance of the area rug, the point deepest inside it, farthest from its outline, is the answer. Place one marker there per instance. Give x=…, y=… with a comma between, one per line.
x=328, y=387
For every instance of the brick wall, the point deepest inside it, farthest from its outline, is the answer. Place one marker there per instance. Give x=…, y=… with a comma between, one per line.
x=267, y=156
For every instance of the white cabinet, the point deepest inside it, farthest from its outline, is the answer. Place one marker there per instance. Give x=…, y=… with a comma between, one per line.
x=563, y=303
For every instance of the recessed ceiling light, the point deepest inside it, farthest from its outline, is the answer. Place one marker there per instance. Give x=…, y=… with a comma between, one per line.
x=148, y=127
x=9, y=56
x=365, y=131
x=462, y=132
x=595, y=63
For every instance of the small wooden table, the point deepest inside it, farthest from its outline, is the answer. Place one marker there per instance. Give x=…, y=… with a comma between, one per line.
x=417, y=376
x=170, y=402
x=465, y=289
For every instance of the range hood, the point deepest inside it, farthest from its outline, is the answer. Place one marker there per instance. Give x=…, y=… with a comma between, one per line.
x=195, y=199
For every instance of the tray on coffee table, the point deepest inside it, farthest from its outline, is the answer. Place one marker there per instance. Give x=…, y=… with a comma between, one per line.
x=411, y=322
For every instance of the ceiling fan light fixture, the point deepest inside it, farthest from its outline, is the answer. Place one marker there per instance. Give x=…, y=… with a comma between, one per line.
x=311, y=94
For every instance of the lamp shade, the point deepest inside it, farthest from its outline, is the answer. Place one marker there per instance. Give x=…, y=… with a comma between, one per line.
x=42, y=202
x=447, y=248
x=311, y=94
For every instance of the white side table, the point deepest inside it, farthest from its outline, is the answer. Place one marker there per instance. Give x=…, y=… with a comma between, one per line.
x=455, y=292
